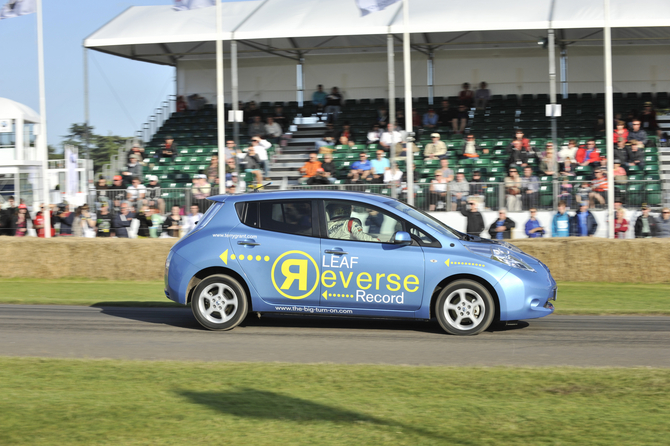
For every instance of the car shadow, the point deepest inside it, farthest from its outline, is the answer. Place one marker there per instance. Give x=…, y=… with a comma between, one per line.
x=179, y=316
x=265, y=405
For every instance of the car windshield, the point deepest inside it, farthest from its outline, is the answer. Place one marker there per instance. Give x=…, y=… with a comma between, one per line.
x=424, y=218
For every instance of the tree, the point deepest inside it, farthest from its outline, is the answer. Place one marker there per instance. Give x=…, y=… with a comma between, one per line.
x=55, y=153
x=100, y=148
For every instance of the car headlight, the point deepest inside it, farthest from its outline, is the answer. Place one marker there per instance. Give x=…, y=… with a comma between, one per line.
x=501, y=254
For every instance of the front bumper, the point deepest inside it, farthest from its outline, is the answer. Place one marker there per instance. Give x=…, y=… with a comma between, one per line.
x=525, y=294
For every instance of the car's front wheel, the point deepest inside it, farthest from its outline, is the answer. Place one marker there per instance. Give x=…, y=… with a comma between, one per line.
x=464, y=307
x=219, y=302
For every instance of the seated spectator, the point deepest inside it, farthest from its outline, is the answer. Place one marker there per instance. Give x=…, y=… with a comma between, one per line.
x=136, y=150
x=261, y=147
x=416, y=119
x=389, y=137
x=482, y=96
x=477, y=186
x=329, y=168
x=309, y=169
x=430, y=119
x=530, y=188
x=253, y=164
x=638, y=134
x=474, y=220
x=620, y=132
x=565, y=191
x=153, y=194
x=134, y=167
x=382, y=117
x=523, y=141
x=533, y=227
x=569, y=151
x=620, y=224
x=361, y=170
x=589, y=155
x=621, y=151
x=447, y=173
x=470, y=147
x=619, y=173
x=346, y=132
x=213, y=168
x=251, y=112
x=518, y=157
x=513, y=190
x=173, y=222
x=635, y=154
x=201, y=189
x=648, y=120
x=461, y=121
x=393, y=176
x=645, y=225
x=663, y=224
x=333, y=104
x=374, y=135
x=273, y=131
x=437, y=196
x=192, y=218
x=256, y=128
x=280, y=118
x=196, y=102
x=560, y=224
x=136, y=193
x=548, y=165
x=583, y=224
x=121, y=221
x=599, y=128
x=436, y=148
x=168, y=149
x=403, y=151
x=501, y=229
x=319, y=98
x=182, y=105
x=21, y=221
x=446, y=114
x=466, y=96
x=379, y=165
x=583, y=191
x=459, y=191
x=327, y=141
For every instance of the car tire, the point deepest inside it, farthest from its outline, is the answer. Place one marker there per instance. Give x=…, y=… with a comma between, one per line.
x=219, y=303
x=465, y=308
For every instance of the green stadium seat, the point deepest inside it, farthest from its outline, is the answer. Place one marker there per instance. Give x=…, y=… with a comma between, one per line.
x=546, y=195
x=634, y=169
x=653, y=194
x=432, y=163
x=650, y=168
x=635, y=194
x=497, y=170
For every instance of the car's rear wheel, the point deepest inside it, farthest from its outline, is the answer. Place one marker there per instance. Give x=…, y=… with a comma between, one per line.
x=219, y=303
x=464, y=307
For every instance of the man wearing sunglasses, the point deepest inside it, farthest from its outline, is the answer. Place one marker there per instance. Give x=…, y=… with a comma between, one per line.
x=663, y=224
x=361, y=170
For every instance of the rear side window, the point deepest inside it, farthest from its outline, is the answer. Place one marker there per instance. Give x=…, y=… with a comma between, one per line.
x=248, y=213
x=289, y=217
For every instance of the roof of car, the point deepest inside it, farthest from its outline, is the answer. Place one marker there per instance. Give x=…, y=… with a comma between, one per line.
x=298, y=194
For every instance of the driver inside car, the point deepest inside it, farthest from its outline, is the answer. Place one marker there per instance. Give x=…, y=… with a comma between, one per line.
x=343, y=227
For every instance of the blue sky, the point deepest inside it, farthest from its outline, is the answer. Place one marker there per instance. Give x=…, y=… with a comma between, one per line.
x=140, y=86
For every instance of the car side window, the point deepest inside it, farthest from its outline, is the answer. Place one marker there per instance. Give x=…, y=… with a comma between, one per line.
x=248, y=213
x=423, y=239
x=347, y=220
x=290, y=216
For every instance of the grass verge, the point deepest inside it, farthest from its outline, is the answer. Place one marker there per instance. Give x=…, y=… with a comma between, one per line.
x=573, y=297
x=82, y=402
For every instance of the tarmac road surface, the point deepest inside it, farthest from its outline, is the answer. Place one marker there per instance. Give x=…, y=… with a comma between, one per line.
x=173, y=334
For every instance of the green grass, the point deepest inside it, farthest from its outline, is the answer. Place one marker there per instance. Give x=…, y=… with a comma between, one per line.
x=83, y=402
x=573, y=297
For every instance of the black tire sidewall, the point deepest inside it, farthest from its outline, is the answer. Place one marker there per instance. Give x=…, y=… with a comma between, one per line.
x=489, y=306
x=242, y=307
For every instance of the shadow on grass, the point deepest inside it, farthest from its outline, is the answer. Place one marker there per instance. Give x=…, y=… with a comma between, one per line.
x=265, y=405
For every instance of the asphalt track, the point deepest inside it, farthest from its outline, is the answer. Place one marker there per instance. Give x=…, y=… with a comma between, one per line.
x=173, y=334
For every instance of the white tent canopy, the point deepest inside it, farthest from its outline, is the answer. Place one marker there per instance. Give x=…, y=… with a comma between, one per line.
x=13, y=110
x=158, y=34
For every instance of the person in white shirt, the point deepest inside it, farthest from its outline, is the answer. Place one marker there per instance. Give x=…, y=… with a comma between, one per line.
x=191, y=219
x=393, y=175
x=389, y=137
x=569, y=151
x=273, y=130
x=374, y=135
x=261, y=147
x=136, y=192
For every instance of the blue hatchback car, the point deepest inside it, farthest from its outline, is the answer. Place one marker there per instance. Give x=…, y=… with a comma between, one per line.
x=350, y=254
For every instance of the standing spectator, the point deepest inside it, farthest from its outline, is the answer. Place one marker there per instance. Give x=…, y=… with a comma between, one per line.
x=21, y=221
x=84, y=223
x=156, y=222
x=333, y=104
x=252, y=164
x=136, y=149
x=589, y=155
x=569, y=151
x=663, y=225
x=136, y=193
x=273, y=131
x=648, y=120
x=182, y=105
x=620, y=224
x=133, y=169
x=438, y=191
x=144, y=219
x=153, y=193
x=565, y=192
x=447, y=115
x=172, y=224
x=329, y=168
x=374, y=135
x=38, y=222
x=261, y=147
x=319, y=98
x=8, y=218
x=252, y=112
x=309, y=169
x=231, y=151
x=447, y=173
x=513, y=190
x=470, y=147
x=168, y=149
x=533, y=227
x=583, y=223
x=560, y=224
x=645, y=225
x=635, y=154
x=213, y=168
x=459, y=191
x=103, y=222
x=638, y=134
x=256, y=128
x=101, y=191
x=121, y=221
x=482, y=96
x=361, y=169
x=192, y=219
x=201, y=189
x=435, y=149
x=477, y=186
x=599, y=188
x=379, y=166
x=620, y=132
x=66, y=218
x=430, y=119
x=502, y=227
x=475, y=221
x=466, y=96
x=389, y=137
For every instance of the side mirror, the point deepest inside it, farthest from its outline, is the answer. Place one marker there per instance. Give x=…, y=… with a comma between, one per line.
x=402, y=238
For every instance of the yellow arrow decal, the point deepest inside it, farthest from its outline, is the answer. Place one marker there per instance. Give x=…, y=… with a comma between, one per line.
x=446, y=262
x=224, y=256
x=325, y=295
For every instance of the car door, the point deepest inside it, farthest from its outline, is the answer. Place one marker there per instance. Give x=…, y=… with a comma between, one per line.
x=277, y=248
x=360, y=267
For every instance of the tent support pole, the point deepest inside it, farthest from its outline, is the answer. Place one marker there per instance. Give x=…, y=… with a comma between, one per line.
x=220, y=104
x=409, y=138
x=552, y=88
x=431, y=77
x=43, y=144
x=300, y=82
x=564, y=71
x=390, y=53
x=235, y=95
x=609, y=119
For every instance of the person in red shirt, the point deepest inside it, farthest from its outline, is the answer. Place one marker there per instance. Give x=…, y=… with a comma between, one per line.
x=525, y=142
x=599, y=186
x=620, y=224
x=589, y=155
x=38, y=222
x=620, y=132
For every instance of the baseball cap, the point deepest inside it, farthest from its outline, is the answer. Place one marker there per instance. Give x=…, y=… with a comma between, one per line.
x=434, y=135
x=229, y=183
x=117, y=177
x=644, y=206
x=23, y=206
x=153, y=178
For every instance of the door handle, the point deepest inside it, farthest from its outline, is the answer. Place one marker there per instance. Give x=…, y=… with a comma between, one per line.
x=248, y=243
x=335, y=251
